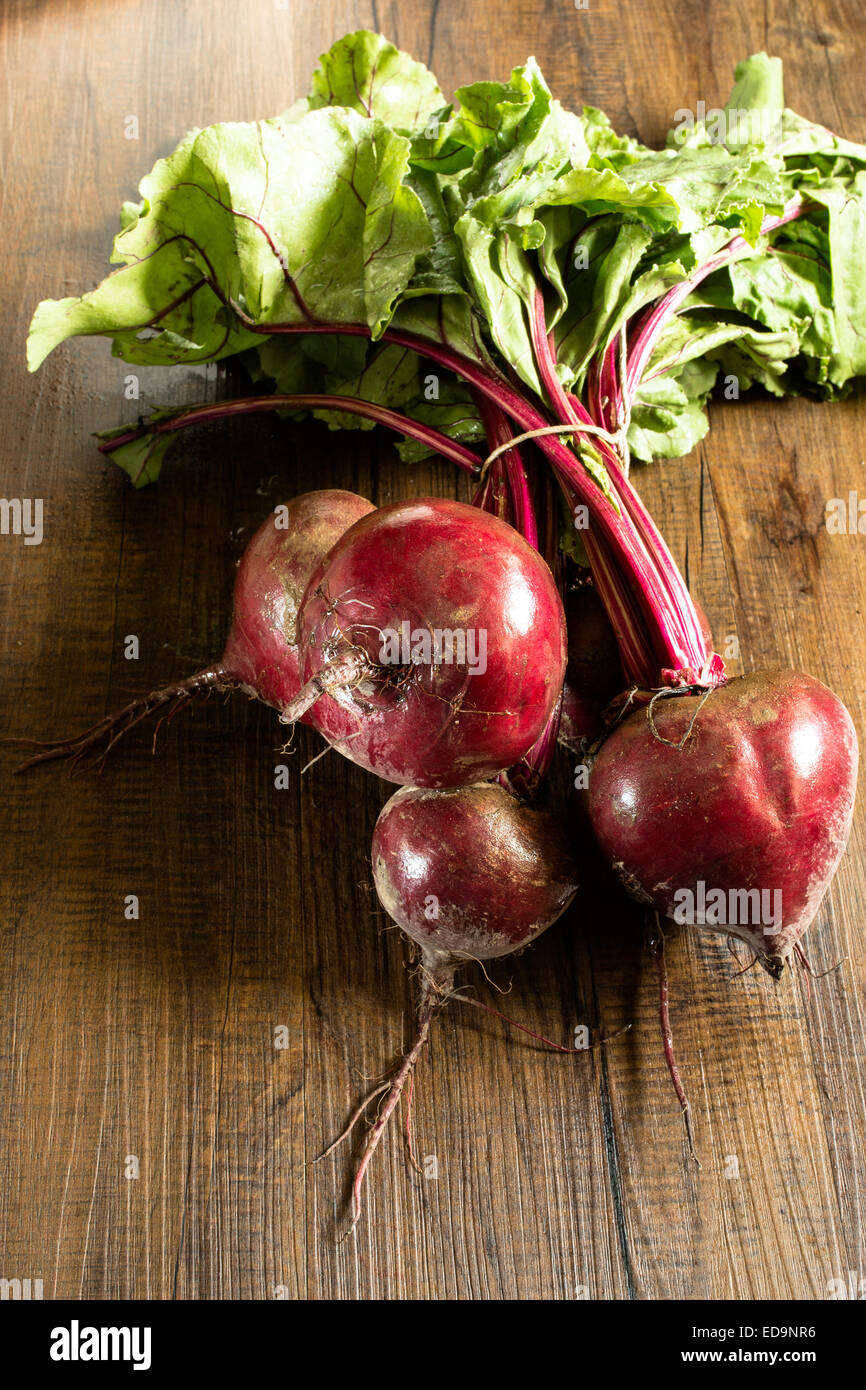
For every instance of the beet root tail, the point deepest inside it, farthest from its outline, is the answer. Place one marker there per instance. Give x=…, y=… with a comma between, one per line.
x=434, y=994
x=774, y=966
x=106, y=732
x=538, y=1037
x=340, y=673
x=656, y=942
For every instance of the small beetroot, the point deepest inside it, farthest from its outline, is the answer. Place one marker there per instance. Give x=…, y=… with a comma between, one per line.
x=469, y=873
x=262, y=648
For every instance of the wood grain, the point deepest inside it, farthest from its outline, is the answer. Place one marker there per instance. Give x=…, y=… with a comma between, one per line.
x=558, y=1178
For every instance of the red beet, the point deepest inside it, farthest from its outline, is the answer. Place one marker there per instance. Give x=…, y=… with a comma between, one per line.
x=731, y=809
x=410, y=576
x=469, y=873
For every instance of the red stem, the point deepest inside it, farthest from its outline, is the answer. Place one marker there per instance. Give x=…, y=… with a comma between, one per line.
x=348, y=405
x=655, y=543
x=658, y=316
x=498, y=432
x=638, y=565
x=640, y=661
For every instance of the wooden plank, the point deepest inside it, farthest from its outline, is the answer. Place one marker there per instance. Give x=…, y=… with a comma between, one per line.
x=154, y=1039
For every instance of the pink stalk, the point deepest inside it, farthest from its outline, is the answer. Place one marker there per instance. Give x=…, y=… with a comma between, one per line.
x=637, y=656
x=651, y=328
x=498, y=432
x=492, y=495
x=611, y=403
x=606, y=403
x=656, y=544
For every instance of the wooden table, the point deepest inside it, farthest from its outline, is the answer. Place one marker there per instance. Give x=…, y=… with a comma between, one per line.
x=155, y=1141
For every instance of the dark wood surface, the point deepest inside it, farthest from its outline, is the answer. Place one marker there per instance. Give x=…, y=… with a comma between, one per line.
x=558, y=1177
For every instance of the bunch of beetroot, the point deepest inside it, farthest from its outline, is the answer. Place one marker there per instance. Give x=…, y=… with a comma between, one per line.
x=427, y=642
x=448, y=648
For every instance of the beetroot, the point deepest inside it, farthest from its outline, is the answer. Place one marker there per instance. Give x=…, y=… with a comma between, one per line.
x=261, y=655
x=468, y=873
x=730, y=809
x=432, y=643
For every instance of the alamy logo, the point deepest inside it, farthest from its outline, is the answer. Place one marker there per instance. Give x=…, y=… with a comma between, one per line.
x=738, y=907
x=728, y=126
x=21, y=1289
x=423, y=646
x=76, y=1343
x=846, y=516
x=22, y=516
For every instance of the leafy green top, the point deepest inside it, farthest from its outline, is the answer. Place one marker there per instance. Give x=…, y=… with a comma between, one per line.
x=374, y=203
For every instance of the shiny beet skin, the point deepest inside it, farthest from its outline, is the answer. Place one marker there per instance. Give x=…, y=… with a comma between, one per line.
x=760, y=796
x=471, y=871
x=276, y=566
x=439, y=567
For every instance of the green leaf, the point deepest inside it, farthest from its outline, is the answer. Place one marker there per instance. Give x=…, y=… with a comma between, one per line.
x=665, y=422
x=366, y=73
x=447, y=320
x=286, y=220
x=374, y=202
x=390, y=377
x=608, y=149
x=502, y=285
x=141, y=459
x=754, y=109
x=694, y=334
x=599, y=290
x=846, y=206
x=438, y=270
x=452, y=413
x=709, y=184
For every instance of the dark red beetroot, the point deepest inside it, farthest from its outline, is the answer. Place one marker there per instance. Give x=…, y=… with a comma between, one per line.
x=431, y=567
x=755, y=799
x=469, y=873
x=261, y=656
